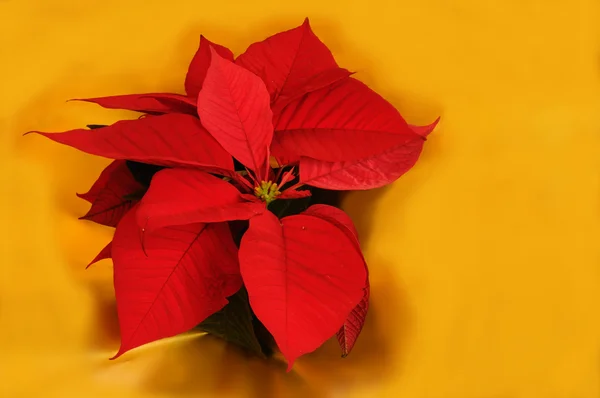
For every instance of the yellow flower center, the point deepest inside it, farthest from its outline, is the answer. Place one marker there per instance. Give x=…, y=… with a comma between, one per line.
x=267, y=191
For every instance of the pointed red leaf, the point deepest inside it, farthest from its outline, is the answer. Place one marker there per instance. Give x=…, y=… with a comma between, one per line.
x=200, y=63
x=100, y=183
x=424, y=131
x=147, y=103
x=349, y=332
x=166, y=140
x=372, y=172
x=104, y=254
x=303, y=277
x=184, y=196
x=184, y=276
x=293, y=194
x=288, y=60
x=343, y=122
x=234, y=108
x=113, y=199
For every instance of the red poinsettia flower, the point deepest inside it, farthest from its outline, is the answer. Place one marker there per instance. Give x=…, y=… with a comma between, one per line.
x=293, y=118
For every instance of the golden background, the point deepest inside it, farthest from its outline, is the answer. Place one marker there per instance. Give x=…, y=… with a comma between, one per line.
x=483, y=258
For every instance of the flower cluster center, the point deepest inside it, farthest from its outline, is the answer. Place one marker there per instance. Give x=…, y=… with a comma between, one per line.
x=267, y=191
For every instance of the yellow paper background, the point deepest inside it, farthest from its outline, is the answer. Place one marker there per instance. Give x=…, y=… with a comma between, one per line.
x=483, y=258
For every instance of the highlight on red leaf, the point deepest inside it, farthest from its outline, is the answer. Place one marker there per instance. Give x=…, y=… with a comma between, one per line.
x=182, y=275
x=105, y=253
x=372, y=172
x=185, y=196
x=166, y=140
x=153, y=103
x=200, y=63
x=337, y=217
x=343, y=122
x=288, y=60
x=112, y=200
x=323, y=79
x=303, y=276
x=234, y=107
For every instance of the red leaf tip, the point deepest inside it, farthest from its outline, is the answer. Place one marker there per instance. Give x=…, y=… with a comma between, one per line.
x=424, y=131
x=89, y=265
x=290, y=365
x=89, y=100
x=32, y=132
x=118, y=354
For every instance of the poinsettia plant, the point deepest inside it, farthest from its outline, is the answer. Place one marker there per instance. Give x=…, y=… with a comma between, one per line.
x=216, y=196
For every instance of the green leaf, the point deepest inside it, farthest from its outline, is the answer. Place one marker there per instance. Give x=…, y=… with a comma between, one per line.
x=234, y=323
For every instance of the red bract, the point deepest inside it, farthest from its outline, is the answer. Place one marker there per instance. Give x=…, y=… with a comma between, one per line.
x=352, y=327
x=180, y=196
x=301, y=270
x=184, y=274
x=199, y=65
x=316, y=126
x=148, y=103
x=291, y=64
x=290, y=117
x=168, y=140
x=234, y=107
x=113, y=197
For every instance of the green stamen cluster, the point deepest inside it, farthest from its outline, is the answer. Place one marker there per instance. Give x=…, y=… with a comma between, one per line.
x=267, y=191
